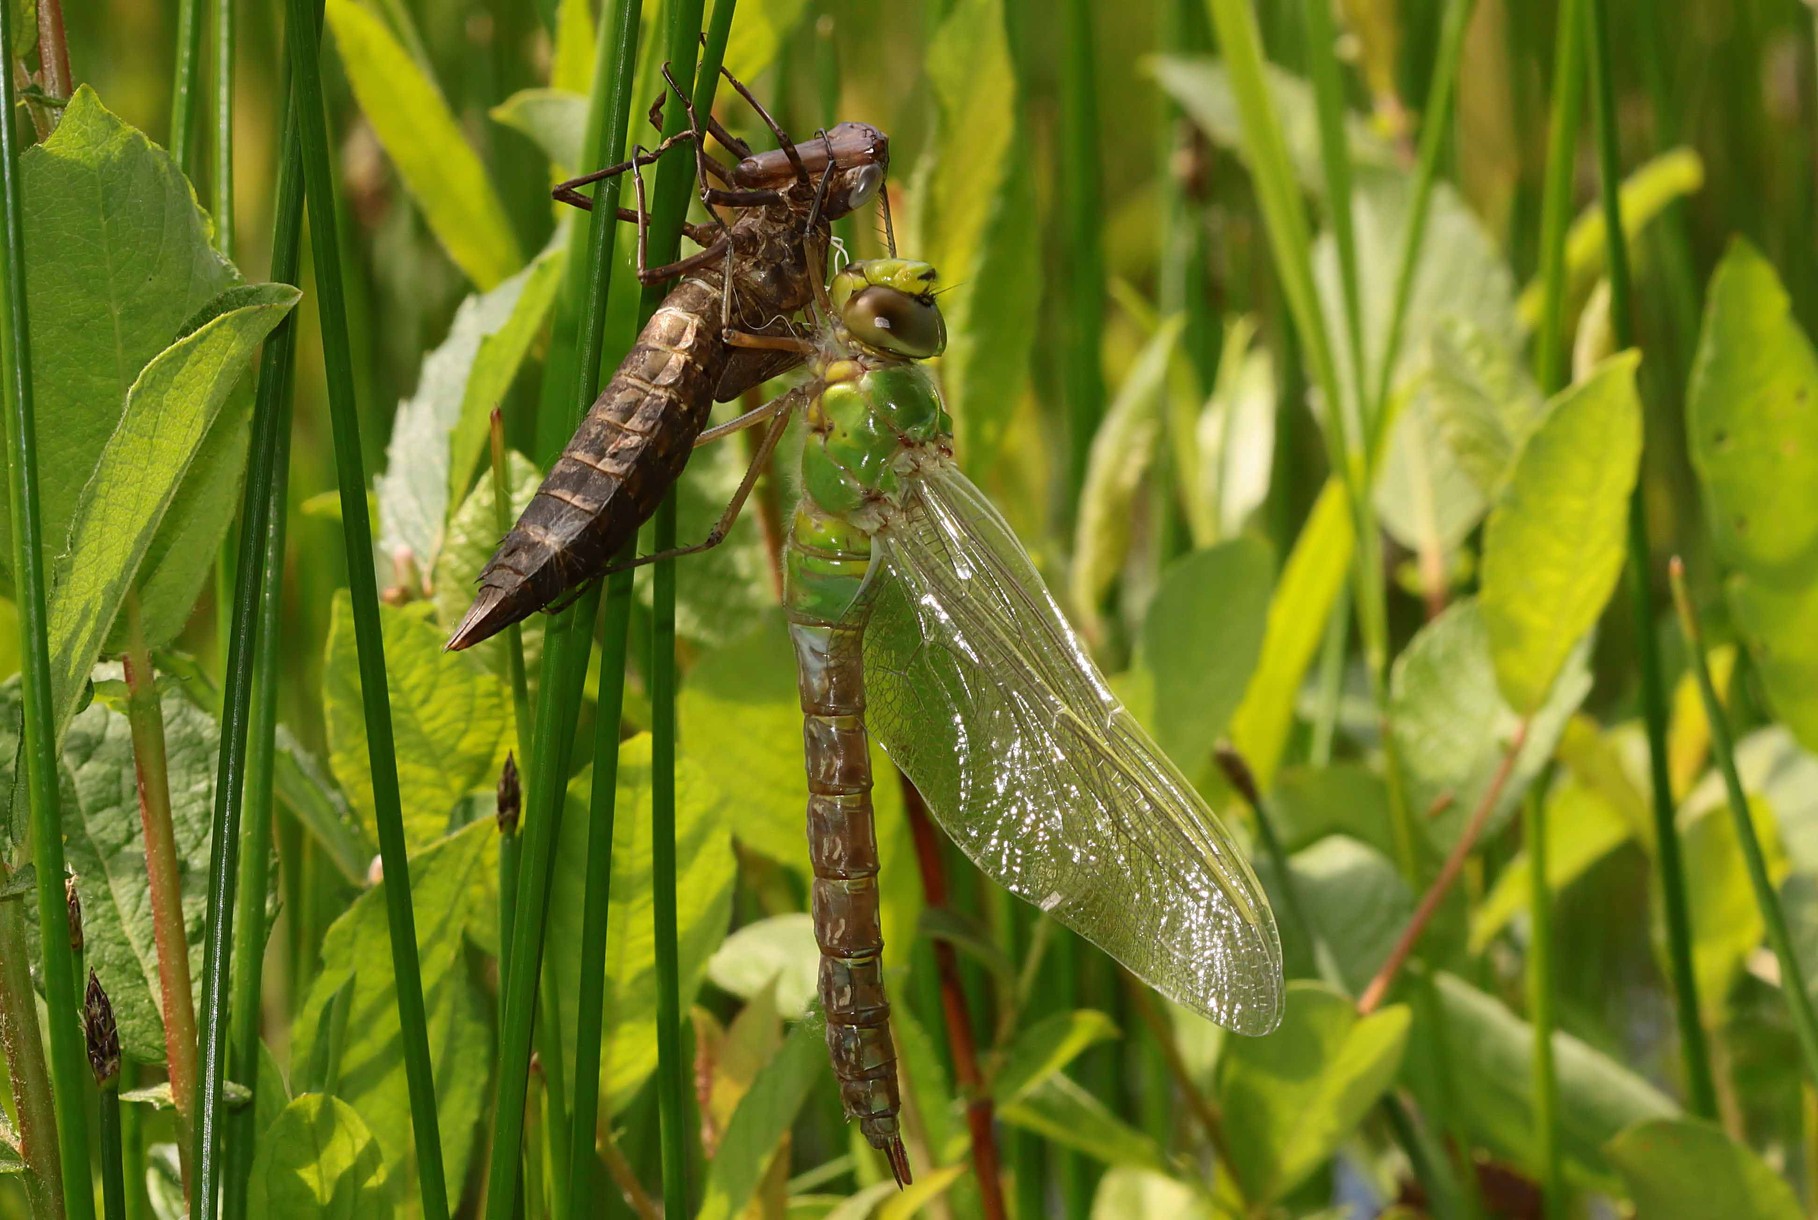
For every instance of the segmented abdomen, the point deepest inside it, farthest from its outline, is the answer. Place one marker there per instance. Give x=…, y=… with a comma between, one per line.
x=627, y=452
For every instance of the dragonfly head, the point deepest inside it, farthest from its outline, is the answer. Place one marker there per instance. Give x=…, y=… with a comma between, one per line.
x=860, y=154
x=887, y=305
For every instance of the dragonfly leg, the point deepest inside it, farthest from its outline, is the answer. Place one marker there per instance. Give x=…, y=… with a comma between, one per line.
x=757, y=415
x=782, y=137
x=568, y=192
x=780, y=410
x=773, y=343
x=817, y=271
x=681, y=267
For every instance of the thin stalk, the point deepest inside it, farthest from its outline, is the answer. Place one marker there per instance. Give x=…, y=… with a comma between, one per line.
x=675, y=183
x=1723, y=749
x=979, y=1115
x=221, y=131
x=1331, y=683
x=30, y=595
x=1436, y=124
x=1204, y=1110
x=1027, y=1150
x=186, y=85
x=53, y=55
x=270, y=425
x=508, y=806
x=1374, y=994
x=1083, y=376
x=23, y=1043
x=566, y=640
x=514, y=634
x=1540, y=1006
x=103, y=1038
x=250, y=928
x=583, y=1161
x=164, y=878
x=1556, y=200
x=319, y=190
x=1335, y=159
x=1670, y=872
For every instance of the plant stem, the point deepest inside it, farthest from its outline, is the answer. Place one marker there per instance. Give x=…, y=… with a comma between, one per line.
x=1670, y=872
x=1540, y=1005
x=31, y=594
x=1204, y=1112
x=1723, y=749
x=1374, y=994
x=186, y=85
x=1556, y=200
x=514, y=634
x=53, y=55
x=250, y=928
x=23, y=1043
x=221, y=154
x=979, y=1116
x=103, y=1038
x=1083, y=377
x=1335, y=158
x=164, y=877
x=318, y=186
x=270, y=426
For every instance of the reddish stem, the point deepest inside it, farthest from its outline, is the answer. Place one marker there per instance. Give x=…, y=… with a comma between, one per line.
x=1448, y=876
x=979, y=1110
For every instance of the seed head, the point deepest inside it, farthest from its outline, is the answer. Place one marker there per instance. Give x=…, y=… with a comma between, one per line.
x=103, y=1035
x=510, y=797
x=76, y=940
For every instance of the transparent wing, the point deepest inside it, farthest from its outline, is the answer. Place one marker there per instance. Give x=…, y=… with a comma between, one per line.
x=983, y=695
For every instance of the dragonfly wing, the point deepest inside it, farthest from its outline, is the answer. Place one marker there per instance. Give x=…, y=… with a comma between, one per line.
x=984, y=696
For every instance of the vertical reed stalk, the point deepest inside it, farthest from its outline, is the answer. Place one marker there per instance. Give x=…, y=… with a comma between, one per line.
x=514, y=634
x=23, y=1043
x=30, y=593
x=1540, y=1005
x=221, y=131
x=1792, y=974
x=1082, y=226
x=319, y=190
x=568, y=637
x=268, y=456
x=1670, y=873
x=186, y=87
x=1335, y=159
x=164, y=878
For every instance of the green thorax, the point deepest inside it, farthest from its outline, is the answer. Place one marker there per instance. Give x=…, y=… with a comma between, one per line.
x=873, y=423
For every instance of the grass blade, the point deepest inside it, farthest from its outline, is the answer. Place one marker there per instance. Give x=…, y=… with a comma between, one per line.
x=30, y=590
x=1335, y=156
x=1700, y=1087
x=1083, y=308
x=318, y=188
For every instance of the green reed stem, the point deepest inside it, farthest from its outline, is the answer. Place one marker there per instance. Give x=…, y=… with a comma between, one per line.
x=22, y=1041
x=319, y=191
x=1700, y=1087
x=567, y=638
x=1079, y=202
x=30, y=593
x=186, y=86
x=221, y=151
x=1540, y=1005
x=268, y=452
x=250, y=926
x=514, y=634
x=1436, y=125
x=1723, y=749
x=1335, y=158
x=163, y=871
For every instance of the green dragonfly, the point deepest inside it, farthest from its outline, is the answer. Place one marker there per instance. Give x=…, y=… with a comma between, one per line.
x=916, y=615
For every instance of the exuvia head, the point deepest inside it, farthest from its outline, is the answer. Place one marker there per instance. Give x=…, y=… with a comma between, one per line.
x=860, y=154
x=888, y=306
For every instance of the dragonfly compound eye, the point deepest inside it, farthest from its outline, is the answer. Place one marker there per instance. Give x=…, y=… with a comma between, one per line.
x=892, y=321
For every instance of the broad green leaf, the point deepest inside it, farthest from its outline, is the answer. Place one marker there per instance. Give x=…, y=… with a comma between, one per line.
x=758, y=35
x=104, y=846
x=309, y=792
x=425, y=469
x=1123, y=1193
x=319, y=1161
x=473, y=536
x=1234, y=440
x=1645, y=194
x=170, y=411
x=974, y=225
x=1489, y=1046
x=1292, y=1098
x=113, y=232
x=1452, y=726
x=1309, y=584
x=1046, y=1048
x=1481, y=401
x=426, y=145
x=1356, y=901
x=447, y=716
x=1344, y=798
x=776, y=954
x=1122, y=452
x=555, y=120
x=1200, y=643
x=704, y=892
x=1582, y=828
x=454, y=893
x=1061, y=1111
x=1753, y=436
x=1555, y=543
x=761, y=1122
x=1726, y=920
x=1687, y=1169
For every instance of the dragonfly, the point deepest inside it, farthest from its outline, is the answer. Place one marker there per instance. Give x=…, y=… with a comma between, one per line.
x=716, y=335
x=917, y=616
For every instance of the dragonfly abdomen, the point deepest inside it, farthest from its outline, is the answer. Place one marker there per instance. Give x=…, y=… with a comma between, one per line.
x=629, y=449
